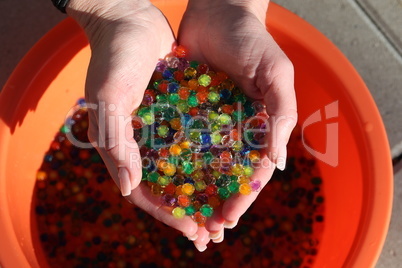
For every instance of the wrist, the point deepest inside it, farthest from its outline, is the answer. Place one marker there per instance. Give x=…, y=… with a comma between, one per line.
x=256, y=7
x=87, y=12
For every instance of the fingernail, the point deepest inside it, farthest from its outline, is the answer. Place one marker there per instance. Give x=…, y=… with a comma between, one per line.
x=281, y=160
x=125, y=182
x=215, y=235
x=230, y=224
x=200, y=248
x=219, y=239
x=191, y=237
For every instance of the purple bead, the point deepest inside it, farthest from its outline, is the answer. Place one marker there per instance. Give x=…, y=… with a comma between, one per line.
x=161, y=66
x=255, y=185
x=216, y=150
x=189, y=180
x=169, y=200
x=182, y=64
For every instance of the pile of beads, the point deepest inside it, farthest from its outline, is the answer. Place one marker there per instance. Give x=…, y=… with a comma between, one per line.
x=81, y=220
x=199, y=137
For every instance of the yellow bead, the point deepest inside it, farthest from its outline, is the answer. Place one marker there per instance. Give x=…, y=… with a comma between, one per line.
x=161, y=164
x=198, y=175
x=245, y=189
x=169, y=169
x=175, y=150
x=178, y=213
x=243, y=179
x=185, y=144
x=187, y=189
x=237, y=170
x=200, y=185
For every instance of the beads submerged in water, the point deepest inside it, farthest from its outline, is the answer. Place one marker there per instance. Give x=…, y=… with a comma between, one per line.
x=204, y=133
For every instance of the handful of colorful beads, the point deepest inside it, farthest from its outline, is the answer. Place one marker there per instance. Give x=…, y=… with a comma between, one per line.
x=199, y=137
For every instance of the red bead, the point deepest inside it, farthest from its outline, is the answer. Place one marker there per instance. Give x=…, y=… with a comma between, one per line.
x=178, y=75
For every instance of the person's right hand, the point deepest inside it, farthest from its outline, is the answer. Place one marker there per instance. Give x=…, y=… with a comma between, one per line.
x=127, y=38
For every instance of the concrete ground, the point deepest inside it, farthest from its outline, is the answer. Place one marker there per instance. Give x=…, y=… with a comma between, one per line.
x=369, y=33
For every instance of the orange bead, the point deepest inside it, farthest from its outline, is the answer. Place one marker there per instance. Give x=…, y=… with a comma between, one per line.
x=202, y=97
x=199, y=218
x=41, y=175
x=227, y=109
x=184, y=93
x=180, y=51
x=213, y=201
x=175, y=123
x=175, y=150
x=225, y=155
x=183, y=200
x=254, y=155
x=193, y=84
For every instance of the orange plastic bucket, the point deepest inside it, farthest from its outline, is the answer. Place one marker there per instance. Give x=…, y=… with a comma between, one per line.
x=358, y=190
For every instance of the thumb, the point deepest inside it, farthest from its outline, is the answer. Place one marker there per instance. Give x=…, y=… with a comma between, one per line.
x=115, y=143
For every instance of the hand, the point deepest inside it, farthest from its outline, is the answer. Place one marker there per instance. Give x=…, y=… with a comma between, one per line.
x=127, y=38
x=230, y=35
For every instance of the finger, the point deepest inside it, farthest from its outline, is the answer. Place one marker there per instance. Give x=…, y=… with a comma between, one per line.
x=235, y=206
x=114, y=136
x=214, y=224
x=277, y=87
x=202, y=240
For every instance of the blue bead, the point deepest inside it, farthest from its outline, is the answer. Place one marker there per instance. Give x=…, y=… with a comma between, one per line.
x=173, y=87
x=225, y=93
x=189, y=180
x=81, y=102
x=205, y=139
x=185, y=119
x=48, y=158
x=167, y=74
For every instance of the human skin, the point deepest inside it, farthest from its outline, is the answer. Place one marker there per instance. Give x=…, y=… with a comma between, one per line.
x=128, y=37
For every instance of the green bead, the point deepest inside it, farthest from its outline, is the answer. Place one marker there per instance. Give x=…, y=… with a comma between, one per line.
x=248, y=109
x=145, y=173
x=207, y=157
x=224, y=119
x=249, y=136
x=197, y=124
x=192, y=101
x=188, y=167
x=148, y=118
x=163, y=131
x=64, y=129
x=240, y=98
x=173, y=160
x=233, y=178
x=223, y=181
x=234, y=187
x=200, y=185
x=224, y=193
x=195, y=136
x=161, y=98
x=206, y=210
x=182, y=106
x=216, y=137
x=178, y=212
x=190, y=210
x=153, y=177
x=215, y=127
x=238, y=116
x=164, y=180
x=204, y=80
x=194, y=64
x=143, y=111
x=170, y=113
x=248, y=171
x=174, y=98
x=213, y=97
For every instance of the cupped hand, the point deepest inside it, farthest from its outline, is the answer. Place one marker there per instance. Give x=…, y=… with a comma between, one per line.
x=127, y=38
x=230, y=35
